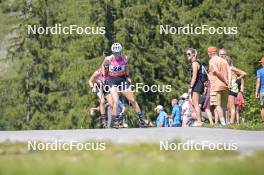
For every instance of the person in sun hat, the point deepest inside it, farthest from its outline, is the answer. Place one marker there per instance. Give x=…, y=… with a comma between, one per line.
x=162, y=119
x=260, y=87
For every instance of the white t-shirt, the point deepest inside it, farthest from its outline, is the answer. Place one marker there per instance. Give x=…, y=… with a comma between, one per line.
x=185, y=108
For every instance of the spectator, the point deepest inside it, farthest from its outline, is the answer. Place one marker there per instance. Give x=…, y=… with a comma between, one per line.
x=240, y=102
x=205, y=103
x=181, y=101
x=219, y=77
x=236, y=76
x=222, y=53
x=260, y=88
x=188, y=113
x=162, y=119
x=196, y=87
x=176, y=113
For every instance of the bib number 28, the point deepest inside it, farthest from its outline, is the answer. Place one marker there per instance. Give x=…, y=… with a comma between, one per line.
x=117, y=68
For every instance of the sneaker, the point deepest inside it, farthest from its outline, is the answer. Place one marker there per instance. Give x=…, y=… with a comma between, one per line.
x=196, y=124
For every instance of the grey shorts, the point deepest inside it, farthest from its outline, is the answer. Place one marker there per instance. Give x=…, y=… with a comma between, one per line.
x=261, y=98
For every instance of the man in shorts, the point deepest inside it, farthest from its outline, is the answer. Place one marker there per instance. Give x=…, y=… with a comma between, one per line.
x=219, y=77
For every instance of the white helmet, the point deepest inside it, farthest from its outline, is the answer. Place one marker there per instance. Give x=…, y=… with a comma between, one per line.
x=116, y=47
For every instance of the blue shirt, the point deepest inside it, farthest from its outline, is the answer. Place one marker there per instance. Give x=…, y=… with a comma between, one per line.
x=260, y=75
x=176, y=113
x=162, y=118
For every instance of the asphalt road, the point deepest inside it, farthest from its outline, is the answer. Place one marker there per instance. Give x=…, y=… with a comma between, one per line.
x=245, y=140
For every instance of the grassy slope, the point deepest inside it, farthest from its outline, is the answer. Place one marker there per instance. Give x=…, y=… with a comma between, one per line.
x=129, y=159
x=250, y=126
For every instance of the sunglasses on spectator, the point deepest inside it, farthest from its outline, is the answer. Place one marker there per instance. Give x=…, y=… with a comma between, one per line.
x=188, y=54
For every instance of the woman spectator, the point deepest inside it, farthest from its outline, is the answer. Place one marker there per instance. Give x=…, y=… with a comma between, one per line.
x=196, y=87
x=236, y=84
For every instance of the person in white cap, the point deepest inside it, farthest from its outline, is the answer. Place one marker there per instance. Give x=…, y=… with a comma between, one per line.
x=188, y=111
x=185, y=96
x=162, y=119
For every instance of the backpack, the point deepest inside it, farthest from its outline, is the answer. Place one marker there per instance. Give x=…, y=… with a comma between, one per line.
x=203, y=75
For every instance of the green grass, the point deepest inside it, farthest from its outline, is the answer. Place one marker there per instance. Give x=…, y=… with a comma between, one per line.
x=247, y=126
x=250, y=126
x=126, y=159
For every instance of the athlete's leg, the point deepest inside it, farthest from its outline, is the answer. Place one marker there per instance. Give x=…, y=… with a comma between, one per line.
x=109, y=99
x=115, y=98
x=130, y=97
x=102, y=102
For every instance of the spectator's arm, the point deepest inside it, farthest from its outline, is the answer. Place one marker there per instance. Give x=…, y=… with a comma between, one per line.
x=162, y=121
x=242, y=86
x=229, y=76
x=239, y=72
x=257, y=87
x=218, y=74
x=221, y=77
x=195, y=73
x=173, y=113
